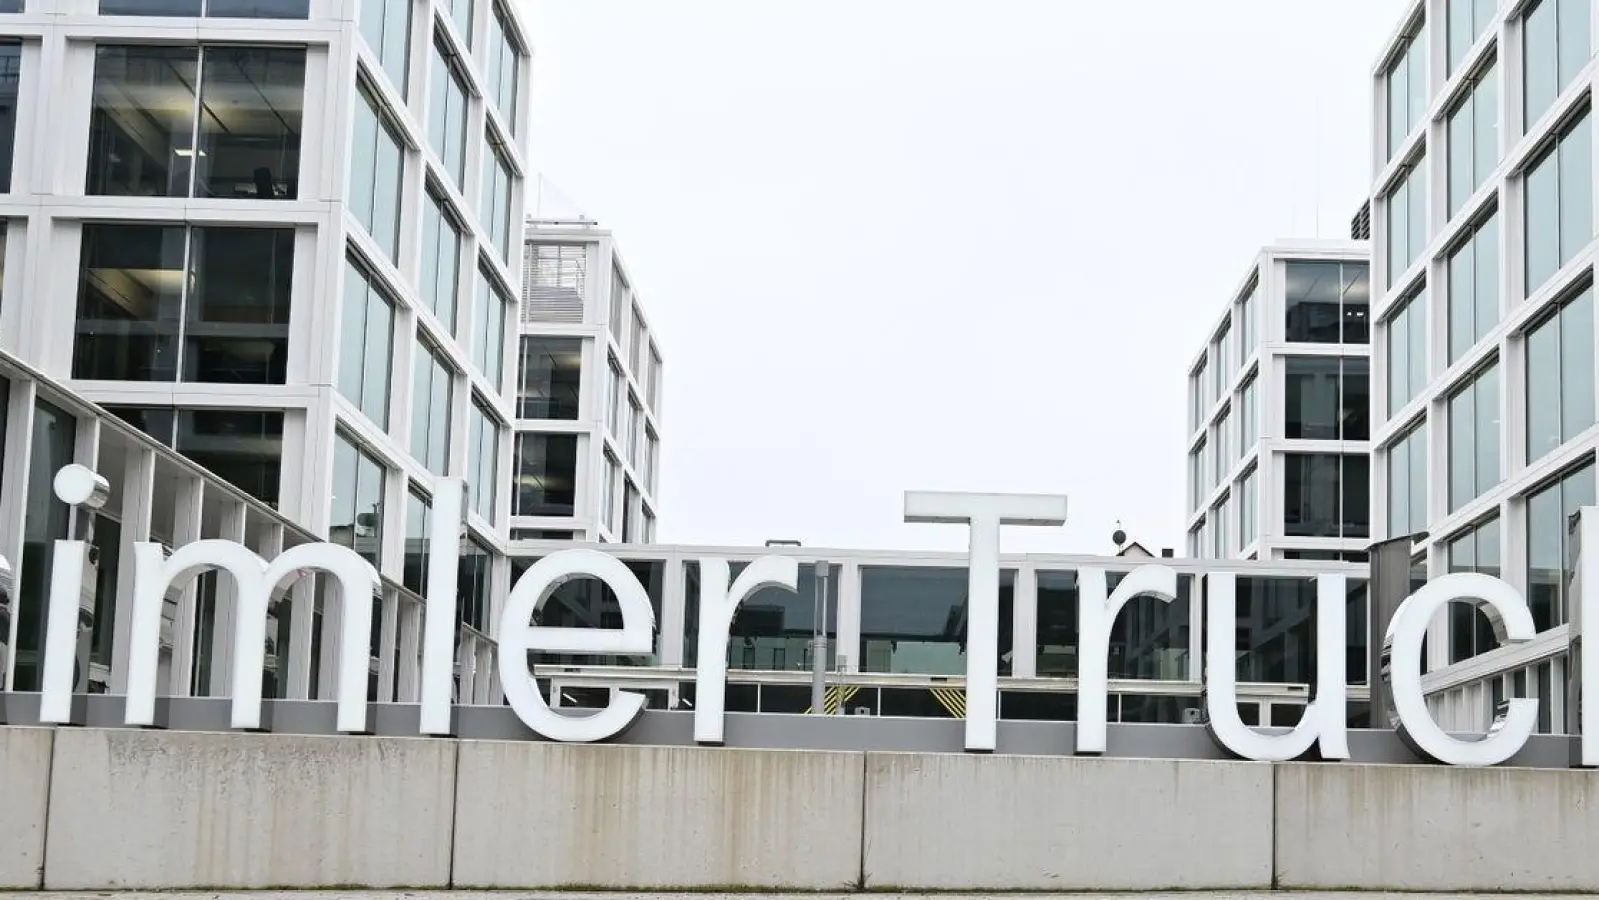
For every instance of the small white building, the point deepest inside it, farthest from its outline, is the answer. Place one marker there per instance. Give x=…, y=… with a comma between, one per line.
x=1278, y=448
x=588, y=402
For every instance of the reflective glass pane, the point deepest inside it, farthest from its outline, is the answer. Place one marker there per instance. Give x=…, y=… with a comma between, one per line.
x=130, y=302
x=1541, y=221
x=550, y=375
x=1312, y=398
x=1575, y=38
x=46, y=520
x=447, y=113
x=1485, y=258
x=244, y=447
x=546, y=475
x=1462, y=300
x=237, y=328
x=1576, y=366
x=1576, y=188
x=914, y=620
x=1357, y=303
x=1540, y=58
x=1544, y=555
x=1461, y=157
x=441, y=260
x=417, y=514
x=141, y=129
x=430, y=410
x=1543, y=389
x=1311, y=494
x=1416, y=353
x=386, y=25
x=1311, y=302
x=10, y=77
x=1486, y=432
x=772, y=630
x=251, y=102
x=1485, y=120
x=258, y=9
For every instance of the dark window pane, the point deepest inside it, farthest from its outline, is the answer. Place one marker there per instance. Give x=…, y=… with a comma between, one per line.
x=1312, y=398
x=10, y=74
x=551, y=372
x=914, y=620
x=141, y=131
x=155, y=421
x=417, y=515
x=1148, y=640
x=772, y=630
x=356, y=516
x=45, y=522
x=259, y=9
x=130, y=301
x=237, y=328
x=243, y=447
x=588, y=603
x=1311, y=298
x=1311, y=494
x=1357, y=303
x=546, y=475
x=252, y=99
x=149, y=7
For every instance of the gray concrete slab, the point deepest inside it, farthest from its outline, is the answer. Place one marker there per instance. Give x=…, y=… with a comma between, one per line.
x=950, y=822
x=24, y=799
x=152, y=809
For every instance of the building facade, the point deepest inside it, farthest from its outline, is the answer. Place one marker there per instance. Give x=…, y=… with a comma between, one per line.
x=1483, y=221
x=289, y=229
x=588, y=403
x=1279, y=431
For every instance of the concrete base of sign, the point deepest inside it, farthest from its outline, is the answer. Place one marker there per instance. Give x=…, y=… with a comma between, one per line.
x=24, y=798
x=146, y=809
x=951, y=822
x=539, y=815
x=1436, y=828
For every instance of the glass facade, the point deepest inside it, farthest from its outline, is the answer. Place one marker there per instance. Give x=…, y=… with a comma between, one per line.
x=149, y=138
x=366, y=343
x=1466, y=20
x=1327, y=303
x=1558, y=195
x=1407, y=483
x=1556, y=44
x=1474, y=431
x=1549, y=509
x=1148, y=640
x=10, y=79
x=377, y=173
x=355, y=518
x=504, y=62
x=494, y=206
x=441, y=258
x=1249, y=419
x=46, y=521
x=1407, y=351
x=1476, y=550
x=224, y=290
x=488, y=327
x=772, y=628
x=550, y=374
x=1326, y=495
x=1406, y=86
x=386, y=25
x=1473, y=138
x=1327, y=398
x=218, y=9
x=914, y=620
x=546, y=475
x=447, y=112
x=1248, y=516
x=1560, y=376
x=432, y=402
x=1407, y=220
x=1474, y=287
x=244, y=447
x=418, y=515
x=483, y=459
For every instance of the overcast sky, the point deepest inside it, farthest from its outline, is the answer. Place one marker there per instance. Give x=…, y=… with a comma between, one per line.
x=927, y=245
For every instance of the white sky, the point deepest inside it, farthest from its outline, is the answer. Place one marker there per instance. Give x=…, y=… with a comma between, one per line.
x=939, y=245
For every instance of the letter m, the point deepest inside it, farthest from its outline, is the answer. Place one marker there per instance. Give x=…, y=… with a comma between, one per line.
x=155, y=574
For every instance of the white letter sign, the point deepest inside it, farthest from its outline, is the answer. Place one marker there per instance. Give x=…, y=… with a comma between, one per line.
x=1095, y=615
x=718, y=605
x=518, y=635
x=985, y=513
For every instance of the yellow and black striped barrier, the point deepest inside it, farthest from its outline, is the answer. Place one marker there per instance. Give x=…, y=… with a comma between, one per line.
x=835, y=697
x=952, y=699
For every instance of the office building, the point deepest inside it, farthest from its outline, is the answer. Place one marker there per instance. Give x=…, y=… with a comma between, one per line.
x=1278, y=447
x=588, y=401
x=1483, y=227
x=288, y=230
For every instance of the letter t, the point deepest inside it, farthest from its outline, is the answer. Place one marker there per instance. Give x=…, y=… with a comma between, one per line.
x=985, y=513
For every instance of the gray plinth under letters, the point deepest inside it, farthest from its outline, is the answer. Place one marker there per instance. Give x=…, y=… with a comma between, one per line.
x=957, y=823
x=536, y=815
x=144, y=809
x=1432, y=828
x=24, y=794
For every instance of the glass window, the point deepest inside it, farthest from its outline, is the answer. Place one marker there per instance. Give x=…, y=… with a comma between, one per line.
x=550, y=375
x=1555, y=47
x=441, y=258
x=1249, y=428
x=913, y=620
x=1407, y=351
x=1327, y=398
x=608, y=493
x=1248, y=332
x=619, y=305
x=1476, y=550
x=772, y=630
x=1559, y=203
x=145, y=122
x=10, y=77
x=243, y=447
x=1474, y=287
x=218, y=9
x=483, y=461
x=461, y=12
x=1549, y=510
x=613, y=401
x=588, y=603
x=447, y=112
x=418, y=512
x=431, y=406
x=504, y=63
x=1148, y=640
x=366, y=343
x=1326, y=495
x=1248, y=517
x=1198, y=475
x=546, y=475
x=1220, y=350
x=1407, y=88
x=630, y=519
x=1196, y=398
x=1276, y=630
x=1327, y=303
x=1474, y=438
x=1474, y=138
x=1467, y=19
x=356, y=517
x=46, y=520
x=377, y=171
x=228, y=294
x=1407, y=483
x=1560, y=374
x=386, y=25
x=488, y=327
x=474, y=572
x=652, y=461
x=1407, y=220
x=494, y=207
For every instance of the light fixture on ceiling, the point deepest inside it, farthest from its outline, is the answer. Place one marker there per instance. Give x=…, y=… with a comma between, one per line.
x=186, y=152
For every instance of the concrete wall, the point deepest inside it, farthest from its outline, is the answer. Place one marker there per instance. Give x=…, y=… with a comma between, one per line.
x=101, y=809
